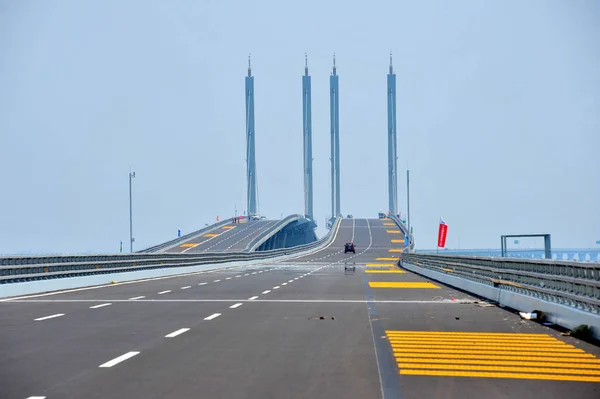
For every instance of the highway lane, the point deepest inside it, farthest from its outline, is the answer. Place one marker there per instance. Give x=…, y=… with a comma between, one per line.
x=231, y=237
x=274, y=345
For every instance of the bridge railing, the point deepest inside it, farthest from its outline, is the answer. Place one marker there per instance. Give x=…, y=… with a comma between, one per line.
x=256, y=241
x=15, y=269
x=575, y=285
x=411, y=246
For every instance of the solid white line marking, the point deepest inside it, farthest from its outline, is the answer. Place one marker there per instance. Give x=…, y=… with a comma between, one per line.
x=266, y=292
x=202, y=283
x=49, y=317
x=276, y=287
x=36, y=397
x=164, y=292
x=216, y=281
x=186, y=287
x=212, y=316
x=119, y=359
x=252, y=298
x=136, y=297
x=176, y=333
x=100, y=306
x=237, y=305
x=284, y=283
x=228, y=278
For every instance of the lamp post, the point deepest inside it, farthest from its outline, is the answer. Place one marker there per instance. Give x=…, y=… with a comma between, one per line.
x=131, y=239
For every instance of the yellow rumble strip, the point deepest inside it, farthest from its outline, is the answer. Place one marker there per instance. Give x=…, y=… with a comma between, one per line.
x=188, y=245
x=396, y=250
x=389, y=224
x=210, y=235
x=380, y=264
x=393, y=231
x=394, y=284
x=228, y=227
x=386, y=259
x=384, y=271
x=491, y=355
x=398, y=241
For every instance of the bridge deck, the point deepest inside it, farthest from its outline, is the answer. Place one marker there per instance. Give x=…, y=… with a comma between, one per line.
x=276, y=346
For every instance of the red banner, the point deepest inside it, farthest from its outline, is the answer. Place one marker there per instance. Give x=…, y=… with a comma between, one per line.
x=442, y=232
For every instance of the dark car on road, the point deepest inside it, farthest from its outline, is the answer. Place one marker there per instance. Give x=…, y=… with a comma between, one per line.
x=349, y=247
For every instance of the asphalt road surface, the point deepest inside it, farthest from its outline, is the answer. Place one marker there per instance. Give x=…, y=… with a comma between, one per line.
x=231, y=237
x=306, y=328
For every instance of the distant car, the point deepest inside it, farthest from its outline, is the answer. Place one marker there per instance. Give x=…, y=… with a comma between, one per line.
x=350, y=216
x=254, y=217
x=381, y=215
x=349, y=247
x=263, y=218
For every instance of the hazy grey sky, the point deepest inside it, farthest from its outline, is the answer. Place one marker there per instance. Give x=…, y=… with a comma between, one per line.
x=498, y=116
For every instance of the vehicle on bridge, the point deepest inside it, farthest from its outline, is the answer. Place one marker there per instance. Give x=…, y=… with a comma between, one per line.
x=349, y=247
x=349, y=217
x=381, y=215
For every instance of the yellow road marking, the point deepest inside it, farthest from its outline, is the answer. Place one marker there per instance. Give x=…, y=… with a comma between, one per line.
x=210, y=235
x=574, y=358
x=444, y=373
x=496, y=368
x=512, y=347
x=391, y=284
x=396, y=250
x=386, y=219
x=228, y=227
x=463, y=333
x=386, y=259
x=558, y=363
x=188, y=245
x=447, y=270
x=489, y=352
x=504, y=340
x=389, y=224
x=380, y=264
x=385, y=271
x=393, y=231
x=398, y=241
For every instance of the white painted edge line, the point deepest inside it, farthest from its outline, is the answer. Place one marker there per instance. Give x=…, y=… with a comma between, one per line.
x=119, y=359
x=216, y=281
x=137, y=297
x=266, y=292
x=186, y=287
x=100, y=306
x=237, y=305
x=52, y=316
x=276, y=287
x=36, y=397
x=252, y=298
x=176, y=333
x=164, y=292
x=202, y=283
x=212, y=316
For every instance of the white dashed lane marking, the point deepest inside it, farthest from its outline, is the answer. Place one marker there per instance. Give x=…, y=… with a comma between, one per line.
x=52, y=316
x=119, y=359
x=186, y=287
x=100, y=306
x=212, y=316
x=137, y=297
x=266, y=292
x=237, y=305
x=252, y=298
x=164, y=292
x=176, y=333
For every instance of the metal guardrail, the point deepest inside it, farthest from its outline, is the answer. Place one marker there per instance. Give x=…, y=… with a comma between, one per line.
x=186, y=237
x=30, y=268
x=573, y=284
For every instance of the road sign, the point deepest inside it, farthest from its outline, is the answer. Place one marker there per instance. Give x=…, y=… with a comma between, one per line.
x=178, y=232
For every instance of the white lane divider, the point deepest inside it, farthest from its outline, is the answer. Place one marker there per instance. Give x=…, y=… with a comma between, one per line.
x=290, y=281
x=266, y=292
x=284, y=283
x=202, y=283
x=237, y=305
x=253, y=273
x=52, y=316
x=212, y=316
x=100, y=306
x=36, y=397
x=296, y=278
x=239, y=275
x=252, y=298
x=228, y=278
x=186, y=287
x=276, y=287
x=247, y=274
x=164, y=292
x=136, y=297
x=216, y=281
x=176, y=333
x=119, y=359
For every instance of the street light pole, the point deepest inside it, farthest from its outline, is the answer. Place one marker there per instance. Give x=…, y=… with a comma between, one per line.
x=408, y=203
x=131, y=239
